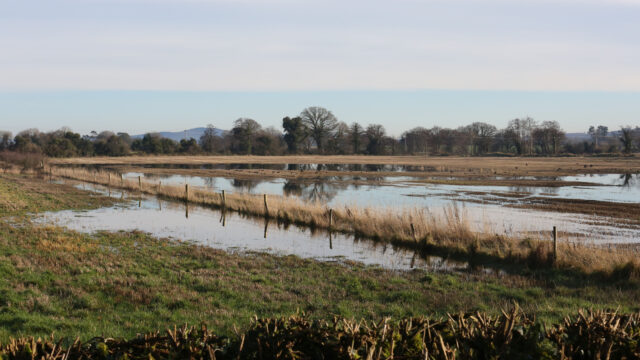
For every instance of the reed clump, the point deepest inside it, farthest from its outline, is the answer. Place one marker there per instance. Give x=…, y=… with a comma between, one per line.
x=410, y=227
x=512, y=335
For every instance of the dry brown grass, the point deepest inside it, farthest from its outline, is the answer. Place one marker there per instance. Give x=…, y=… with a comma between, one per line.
x=409, y=227
x=23, y=161
x=432, y=165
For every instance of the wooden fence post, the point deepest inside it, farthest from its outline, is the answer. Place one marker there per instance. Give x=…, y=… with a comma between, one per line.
x=266, y=206
x=224, y=200
x=266, y=226
x=555, y=244
x=330, y=218
x=186, y=192
x=140, y=183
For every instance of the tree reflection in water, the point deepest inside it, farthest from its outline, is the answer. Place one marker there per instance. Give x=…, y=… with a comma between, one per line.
x=321, y=190
x=629, y=180
x=246, y=185
x=210, y=182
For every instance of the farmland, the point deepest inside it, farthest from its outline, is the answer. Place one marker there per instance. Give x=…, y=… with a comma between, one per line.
x=107, y=278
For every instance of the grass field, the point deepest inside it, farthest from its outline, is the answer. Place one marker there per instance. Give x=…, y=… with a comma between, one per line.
x=120, y=284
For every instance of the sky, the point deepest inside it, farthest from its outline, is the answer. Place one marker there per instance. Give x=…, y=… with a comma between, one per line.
x=156, y=65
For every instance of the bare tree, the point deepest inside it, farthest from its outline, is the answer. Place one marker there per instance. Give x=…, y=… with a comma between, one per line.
x=626, y=138
x=481, y=136
x=355, y=135
x=338, y=142
x=5, y=140
x=208, y=139
x=321, y=124
x=416, y=140
x=548, y=136
x=375, y=134
x=597, y=133
x=521, y=131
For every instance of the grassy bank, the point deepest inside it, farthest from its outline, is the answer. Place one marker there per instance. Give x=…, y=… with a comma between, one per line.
x=121, y=284
x=412, y=228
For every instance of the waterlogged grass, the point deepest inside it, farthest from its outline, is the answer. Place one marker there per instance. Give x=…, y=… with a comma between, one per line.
x=20, y=195
x=121, y=284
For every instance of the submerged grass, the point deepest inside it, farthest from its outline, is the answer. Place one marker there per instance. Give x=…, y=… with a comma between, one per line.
x=412, y=227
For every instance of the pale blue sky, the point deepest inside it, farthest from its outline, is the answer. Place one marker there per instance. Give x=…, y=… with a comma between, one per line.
x=142, y=65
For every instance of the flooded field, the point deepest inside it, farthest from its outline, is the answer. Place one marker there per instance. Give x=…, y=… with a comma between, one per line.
x=496, y=209
x=402, y=190
x=297, y=167
x=489, y=209
x=233, y=232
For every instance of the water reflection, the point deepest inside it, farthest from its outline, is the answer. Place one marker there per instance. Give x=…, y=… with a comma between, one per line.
x=233, y=232
x=405, y=191
x=290, y=167
x=629, y=180
x=484, y=204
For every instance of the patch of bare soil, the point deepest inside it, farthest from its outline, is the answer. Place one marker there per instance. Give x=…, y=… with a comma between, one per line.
x=630, y=212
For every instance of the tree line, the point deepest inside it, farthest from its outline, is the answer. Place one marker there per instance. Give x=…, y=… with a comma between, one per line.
x=316, y=130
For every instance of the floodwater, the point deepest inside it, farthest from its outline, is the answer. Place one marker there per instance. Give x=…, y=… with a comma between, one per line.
x=403, y=190
x=290, y=167
x=235, y=233
x=482, y=205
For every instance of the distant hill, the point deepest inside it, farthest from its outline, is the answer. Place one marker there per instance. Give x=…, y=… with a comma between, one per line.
x=179, y=135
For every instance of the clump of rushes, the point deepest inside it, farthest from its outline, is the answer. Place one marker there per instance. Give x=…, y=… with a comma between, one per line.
x=413, y=228
x=513, y=335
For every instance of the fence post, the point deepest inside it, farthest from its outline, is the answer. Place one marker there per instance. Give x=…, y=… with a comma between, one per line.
x=555, y=244
x=140, y=183
x=266, y=226
x=224, y=200
x=109, y=180
x=186, y=192
x=330, y=218
x=266, y=206
x=413, y=233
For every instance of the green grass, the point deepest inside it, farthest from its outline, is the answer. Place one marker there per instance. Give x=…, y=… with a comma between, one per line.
x=120, y=284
